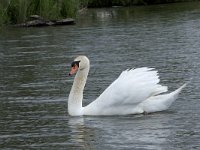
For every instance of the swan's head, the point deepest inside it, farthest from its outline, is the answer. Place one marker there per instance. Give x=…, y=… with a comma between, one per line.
x=79, y=63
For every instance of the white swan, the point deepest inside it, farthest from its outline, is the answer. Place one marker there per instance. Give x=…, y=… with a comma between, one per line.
x=134, y=91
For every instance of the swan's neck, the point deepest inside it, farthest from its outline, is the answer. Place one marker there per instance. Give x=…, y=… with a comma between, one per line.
x=76, y=94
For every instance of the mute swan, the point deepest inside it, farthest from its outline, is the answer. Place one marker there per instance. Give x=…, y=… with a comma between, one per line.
x=135, y=91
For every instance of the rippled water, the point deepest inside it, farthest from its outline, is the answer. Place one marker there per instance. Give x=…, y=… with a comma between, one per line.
x=34, y=85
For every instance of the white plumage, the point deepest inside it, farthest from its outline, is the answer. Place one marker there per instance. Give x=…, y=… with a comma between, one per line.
x=134, y=91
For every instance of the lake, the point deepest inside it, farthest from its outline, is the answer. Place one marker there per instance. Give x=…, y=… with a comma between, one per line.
x=34, y=82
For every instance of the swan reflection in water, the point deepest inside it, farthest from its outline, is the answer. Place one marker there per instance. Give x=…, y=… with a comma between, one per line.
x=153, y=131
x=79, y=135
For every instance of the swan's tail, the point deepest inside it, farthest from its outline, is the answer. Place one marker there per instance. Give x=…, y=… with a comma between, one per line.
x=171, y=97
x=176, y=92
x=161, y=102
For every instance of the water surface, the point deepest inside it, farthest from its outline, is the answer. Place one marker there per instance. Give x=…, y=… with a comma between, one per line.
x=34, y=85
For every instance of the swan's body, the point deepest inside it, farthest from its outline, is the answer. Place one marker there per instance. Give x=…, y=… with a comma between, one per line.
x=135, y=91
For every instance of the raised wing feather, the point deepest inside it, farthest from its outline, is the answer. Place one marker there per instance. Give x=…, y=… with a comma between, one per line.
x=129, y=89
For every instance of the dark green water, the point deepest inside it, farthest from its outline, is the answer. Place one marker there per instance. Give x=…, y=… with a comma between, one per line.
x=34, y=86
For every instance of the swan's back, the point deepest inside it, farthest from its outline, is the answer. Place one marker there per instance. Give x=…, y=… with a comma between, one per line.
x=125, y=94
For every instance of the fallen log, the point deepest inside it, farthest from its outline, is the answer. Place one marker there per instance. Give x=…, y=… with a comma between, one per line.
x=37, y=21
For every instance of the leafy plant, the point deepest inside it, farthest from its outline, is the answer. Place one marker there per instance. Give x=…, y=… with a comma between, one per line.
x=18, y=11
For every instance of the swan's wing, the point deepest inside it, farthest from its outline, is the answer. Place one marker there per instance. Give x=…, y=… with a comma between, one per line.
x=129, y=89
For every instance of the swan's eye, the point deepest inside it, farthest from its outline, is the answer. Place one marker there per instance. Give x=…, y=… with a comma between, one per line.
x=75, y=63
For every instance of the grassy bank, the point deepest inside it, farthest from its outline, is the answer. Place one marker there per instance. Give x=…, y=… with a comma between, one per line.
x=18, y=11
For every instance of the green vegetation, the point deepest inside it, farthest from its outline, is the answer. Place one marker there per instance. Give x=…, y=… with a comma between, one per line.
x=18, y=11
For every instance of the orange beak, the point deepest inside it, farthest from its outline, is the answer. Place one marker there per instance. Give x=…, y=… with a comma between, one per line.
x=73, y=70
